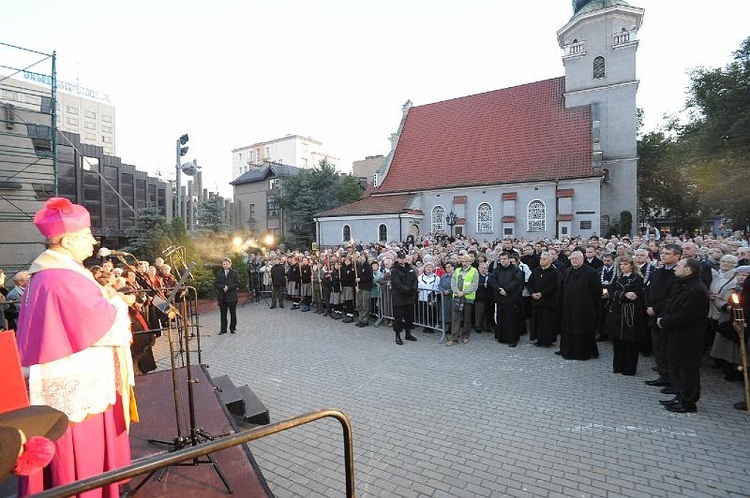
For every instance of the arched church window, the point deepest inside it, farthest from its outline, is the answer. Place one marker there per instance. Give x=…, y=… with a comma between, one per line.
x=437, y=219
x=599, y=68
x=537, y=216
x=383, y=233
x=484, y=218
x=346, y=233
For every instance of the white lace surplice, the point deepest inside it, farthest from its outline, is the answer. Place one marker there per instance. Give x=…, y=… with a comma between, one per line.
x=83, y=383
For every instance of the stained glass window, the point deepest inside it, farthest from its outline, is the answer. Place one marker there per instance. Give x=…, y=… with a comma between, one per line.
x=437, y=223
x=484, y=218
x=537, y=216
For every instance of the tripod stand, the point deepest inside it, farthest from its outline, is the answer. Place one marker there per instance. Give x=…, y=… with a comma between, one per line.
x=177, y=325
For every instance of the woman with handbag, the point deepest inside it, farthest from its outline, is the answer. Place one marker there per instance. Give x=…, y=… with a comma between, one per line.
x=626, y=316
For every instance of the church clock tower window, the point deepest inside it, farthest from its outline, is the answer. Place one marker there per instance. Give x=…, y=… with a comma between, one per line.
x=599, y=68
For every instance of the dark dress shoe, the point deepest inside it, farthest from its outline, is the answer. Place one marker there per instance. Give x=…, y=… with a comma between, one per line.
x=667, y=390
x=657, y=382
x=513, y=344
x=409, y=337
x=232, y=331
x=398, y=340
x=667, y=402
x=558, y=353
x=363, y=324
x=680, y=408
x=740, y=405
x=222, y=332
x=272, y=307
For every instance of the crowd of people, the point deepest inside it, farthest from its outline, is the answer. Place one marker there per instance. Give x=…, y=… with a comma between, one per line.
x=88, y=331
x=665, y=297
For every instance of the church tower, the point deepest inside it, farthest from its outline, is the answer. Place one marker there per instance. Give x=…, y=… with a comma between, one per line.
x=600, y=43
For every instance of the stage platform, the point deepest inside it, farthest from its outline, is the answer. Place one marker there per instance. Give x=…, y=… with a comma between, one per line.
x=157, y=411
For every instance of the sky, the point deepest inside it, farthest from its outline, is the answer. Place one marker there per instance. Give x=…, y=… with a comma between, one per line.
x=231, y=73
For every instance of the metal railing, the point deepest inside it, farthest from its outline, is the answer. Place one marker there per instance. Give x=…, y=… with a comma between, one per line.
x=156, y=462
x=430, y=314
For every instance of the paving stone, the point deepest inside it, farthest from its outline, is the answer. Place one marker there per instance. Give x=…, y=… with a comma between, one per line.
x=473, y=420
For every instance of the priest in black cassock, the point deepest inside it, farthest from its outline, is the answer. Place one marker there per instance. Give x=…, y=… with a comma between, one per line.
x=581, y=291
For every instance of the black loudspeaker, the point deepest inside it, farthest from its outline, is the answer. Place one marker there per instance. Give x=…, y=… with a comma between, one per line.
x=241, y=402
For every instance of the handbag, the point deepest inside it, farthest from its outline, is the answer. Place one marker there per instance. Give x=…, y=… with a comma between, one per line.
x=458, y=304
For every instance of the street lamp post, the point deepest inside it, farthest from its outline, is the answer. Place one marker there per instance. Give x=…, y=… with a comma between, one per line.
x=451, y=220
x=179, y=152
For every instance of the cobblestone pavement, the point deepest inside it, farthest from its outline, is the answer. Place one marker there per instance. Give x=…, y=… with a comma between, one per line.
x=476, y=419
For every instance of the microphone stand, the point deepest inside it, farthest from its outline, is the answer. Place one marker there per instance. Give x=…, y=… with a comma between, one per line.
x=196, y=435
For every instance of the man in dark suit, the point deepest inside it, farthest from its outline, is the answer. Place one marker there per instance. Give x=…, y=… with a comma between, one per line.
x=684, y=321
x=227, y=284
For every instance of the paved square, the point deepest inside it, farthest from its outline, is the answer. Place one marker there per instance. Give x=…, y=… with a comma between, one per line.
x=476, y=419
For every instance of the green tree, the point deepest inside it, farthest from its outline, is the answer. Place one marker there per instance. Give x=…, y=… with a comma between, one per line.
x=719, y=136
x=154, y=234
x=312, y=191
x=210, y=214
x=693, y=170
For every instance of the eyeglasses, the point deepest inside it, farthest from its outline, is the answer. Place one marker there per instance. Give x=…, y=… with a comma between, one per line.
x=83, y=236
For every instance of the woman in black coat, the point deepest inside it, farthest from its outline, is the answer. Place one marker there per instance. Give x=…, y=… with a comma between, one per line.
x=626, y=313
x=542, y=286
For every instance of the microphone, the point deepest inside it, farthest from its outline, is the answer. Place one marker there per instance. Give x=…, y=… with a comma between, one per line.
x=104, y=252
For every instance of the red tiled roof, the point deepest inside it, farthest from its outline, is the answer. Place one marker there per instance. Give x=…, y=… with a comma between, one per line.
x=517, y=134
x=384, y=204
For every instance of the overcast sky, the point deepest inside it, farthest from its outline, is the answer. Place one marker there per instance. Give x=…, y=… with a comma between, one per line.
x=233, y=73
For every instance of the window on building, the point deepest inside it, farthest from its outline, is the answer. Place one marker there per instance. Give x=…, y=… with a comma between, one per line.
x=106, y=140
x=484, y=218
x=89, y=114
x=251, y=217
x=106, y=129
x=10, y=95
x=585, y=225
x=106, y=118
x=537, y=216
x=89, y=125
x=72, y=121
x=274, y=183
x=383, y=233
x=71, y=110
x=437, y=219
x=599, y=68
x=346, y=233
x=89, y=136
x=272, y=207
